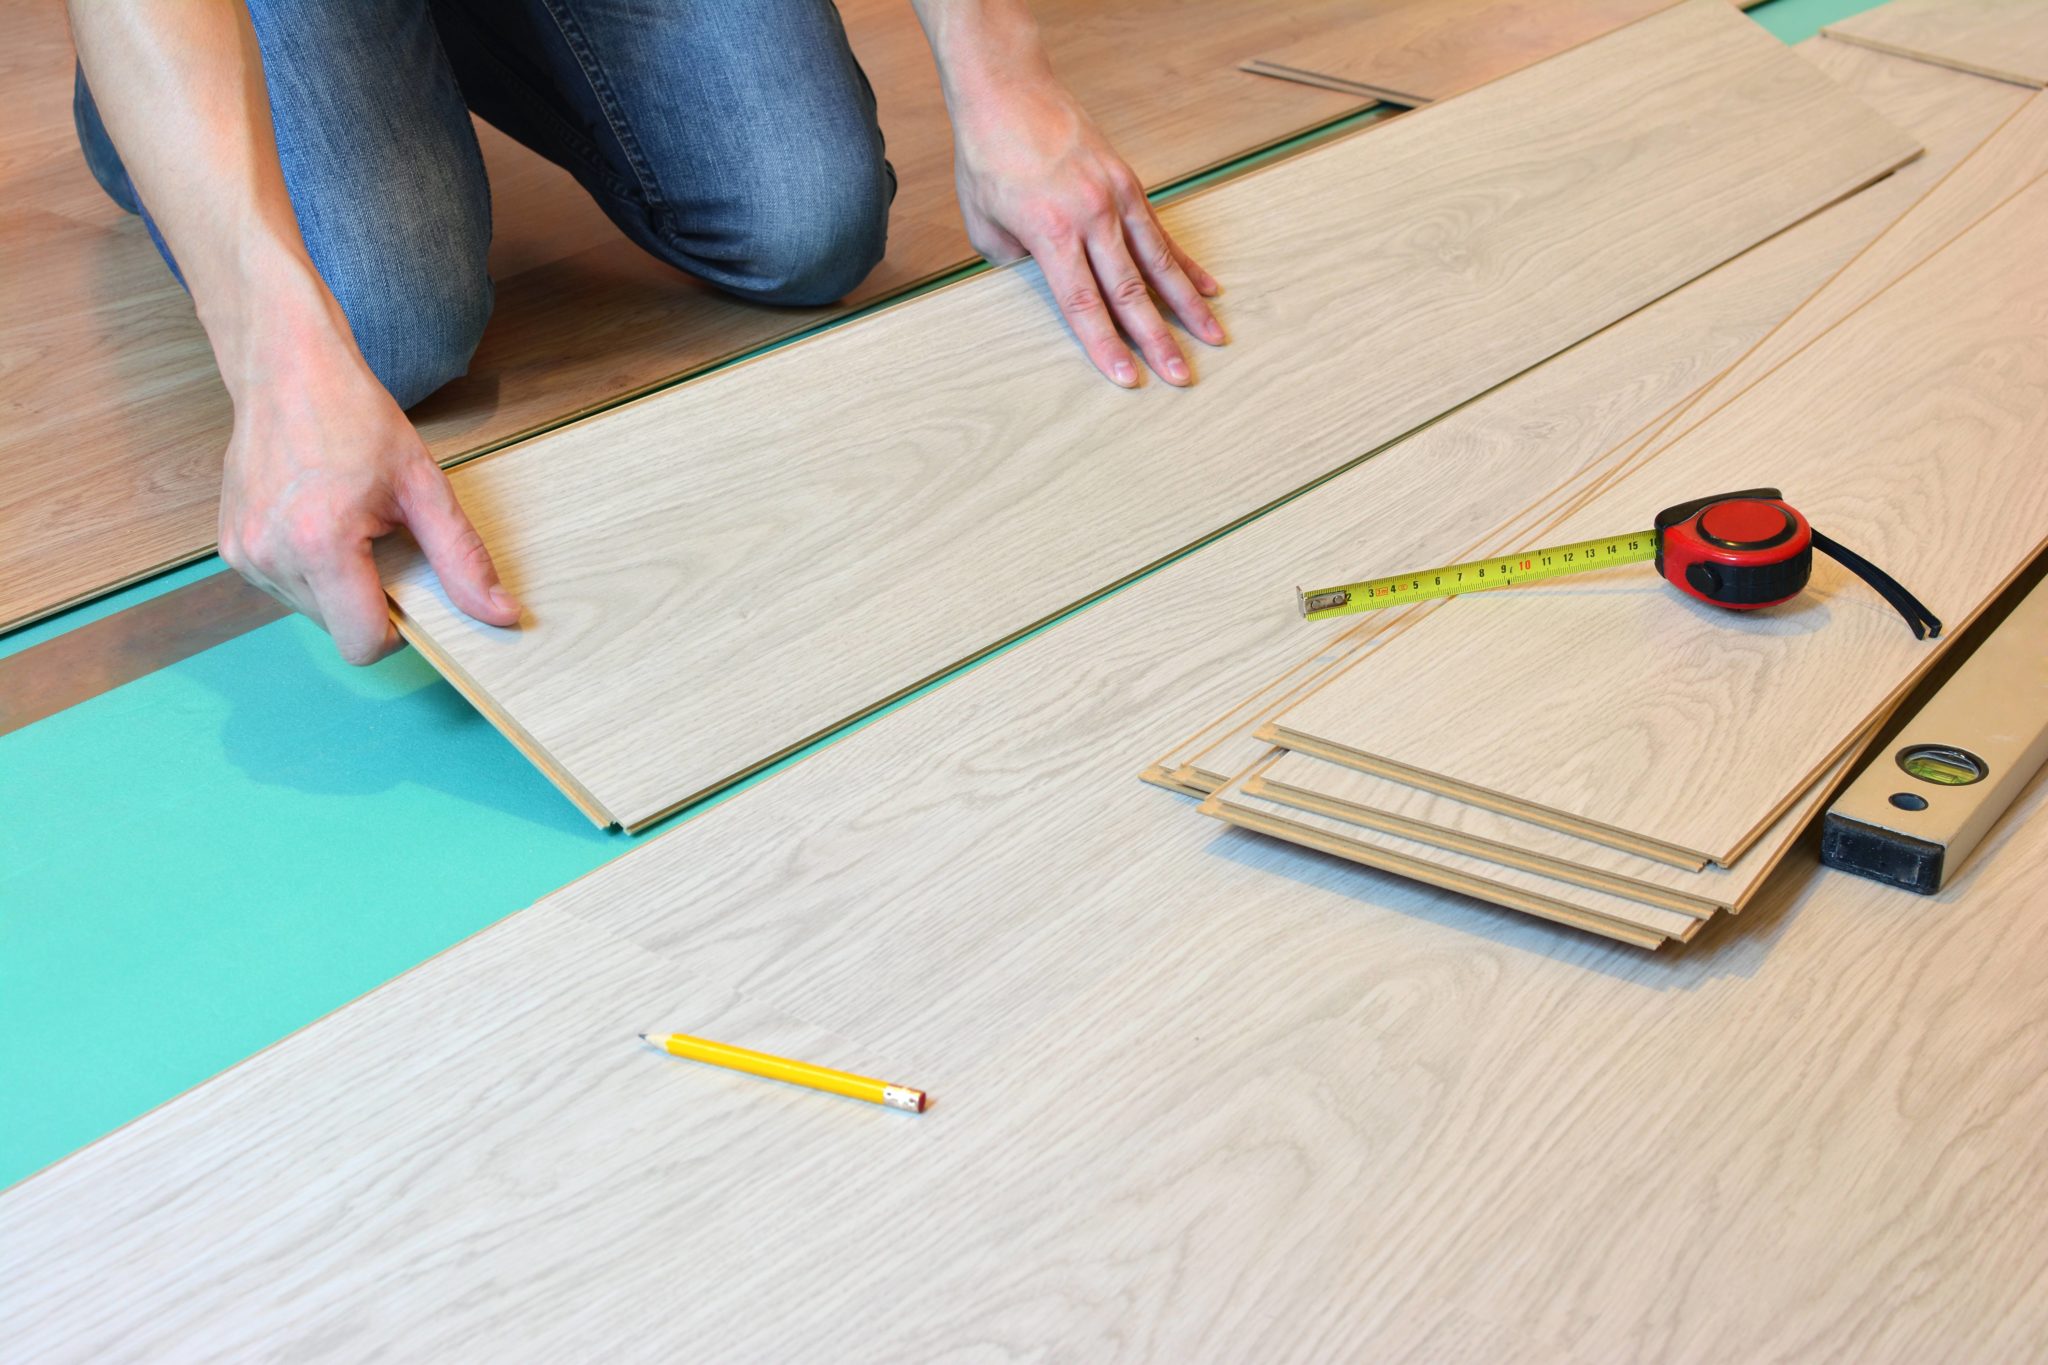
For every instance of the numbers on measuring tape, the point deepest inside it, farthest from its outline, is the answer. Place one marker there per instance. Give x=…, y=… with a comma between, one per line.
x=1473, y=576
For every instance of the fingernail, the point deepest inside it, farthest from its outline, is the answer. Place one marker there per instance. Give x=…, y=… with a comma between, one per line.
x=1177, y=370
x=1212, y=332
x=1125, y=373
x=504, y=601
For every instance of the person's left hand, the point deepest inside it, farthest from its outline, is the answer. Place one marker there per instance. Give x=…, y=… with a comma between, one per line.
x=1036, y=177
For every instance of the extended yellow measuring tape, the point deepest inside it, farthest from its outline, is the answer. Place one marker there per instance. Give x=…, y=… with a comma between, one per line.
x=1477, y=575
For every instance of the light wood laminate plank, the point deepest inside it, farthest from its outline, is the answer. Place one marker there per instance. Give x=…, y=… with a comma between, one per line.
x=786, y=545
x=1949, y=199
x=1921, y=455
x=1479, y=835
x=2004, y=39
x=1418, y=51
x=1244, y=803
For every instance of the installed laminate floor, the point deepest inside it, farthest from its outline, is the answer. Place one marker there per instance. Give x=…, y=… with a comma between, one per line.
x=109, y=464
x=788, y=544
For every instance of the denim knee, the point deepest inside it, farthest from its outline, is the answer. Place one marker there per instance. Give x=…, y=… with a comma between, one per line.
x=812, y=241
x=414, y=341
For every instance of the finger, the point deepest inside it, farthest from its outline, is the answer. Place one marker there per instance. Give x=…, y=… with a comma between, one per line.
x=1204, y=281
x=1131, y=300
x=1166, y=271
x=1081, y=303
x=349, y=599
x=452, y=545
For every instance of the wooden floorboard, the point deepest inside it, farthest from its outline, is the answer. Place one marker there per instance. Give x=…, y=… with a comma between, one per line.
x=782, y=546
x=1604, y=912
x=1474, y=842
x=110, y=461
x=1415, y=52
x=1950, y=195
x=2004, y=39
x=1921, y=455
x=1418, y=51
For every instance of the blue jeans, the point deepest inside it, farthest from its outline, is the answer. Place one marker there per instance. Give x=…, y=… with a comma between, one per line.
x=733, y=139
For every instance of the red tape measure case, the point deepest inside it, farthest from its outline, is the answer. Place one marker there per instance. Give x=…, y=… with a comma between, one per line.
x=1738, y=550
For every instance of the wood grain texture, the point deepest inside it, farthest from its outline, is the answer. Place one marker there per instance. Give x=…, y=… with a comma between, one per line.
x=788, y=544
x=1950, y=196
x=1742, y=319
x=2004, y=39
x=110, y=460
x=1418, y=51
x=1869, y=436
x=1826, y=1134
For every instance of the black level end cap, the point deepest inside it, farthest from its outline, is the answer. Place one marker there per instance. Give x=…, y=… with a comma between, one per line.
x=1882, y=855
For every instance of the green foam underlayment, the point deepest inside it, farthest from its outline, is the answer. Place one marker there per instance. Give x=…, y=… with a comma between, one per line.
x=202, y=861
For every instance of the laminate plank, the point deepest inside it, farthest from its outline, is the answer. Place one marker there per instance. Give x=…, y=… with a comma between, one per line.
x=2004, y=39
x=1867, y=435
x=110, y=462
x=1955, y=196
x=793, y=542
x=1392, y=817
x=1988, y=134
x=1244, y=803
x=1415, y=52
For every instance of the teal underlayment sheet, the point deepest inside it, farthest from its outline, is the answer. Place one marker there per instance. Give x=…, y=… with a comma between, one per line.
x=202, y=861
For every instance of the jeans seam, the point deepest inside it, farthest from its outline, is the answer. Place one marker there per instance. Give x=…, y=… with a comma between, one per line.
x=535, y=107
x=607, y=98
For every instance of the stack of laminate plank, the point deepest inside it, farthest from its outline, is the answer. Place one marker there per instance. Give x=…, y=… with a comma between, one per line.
x=1603, y=752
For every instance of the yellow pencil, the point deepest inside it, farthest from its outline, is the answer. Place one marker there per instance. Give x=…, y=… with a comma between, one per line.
x=783, y=1069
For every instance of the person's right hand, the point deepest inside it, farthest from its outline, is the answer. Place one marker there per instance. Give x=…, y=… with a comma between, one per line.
x=322, y=462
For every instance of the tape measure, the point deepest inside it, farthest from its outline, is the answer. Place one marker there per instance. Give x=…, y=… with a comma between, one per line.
x=1740, y=551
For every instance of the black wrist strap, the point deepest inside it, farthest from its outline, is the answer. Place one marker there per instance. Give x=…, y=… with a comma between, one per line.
x=1925, y=625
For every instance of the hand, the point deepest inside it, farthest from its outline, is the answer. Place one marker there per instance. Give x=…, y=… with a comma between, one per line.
x=1037, y=177
x=321, y=463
